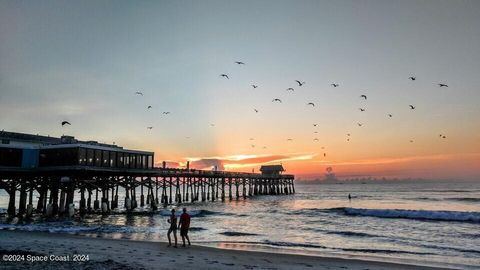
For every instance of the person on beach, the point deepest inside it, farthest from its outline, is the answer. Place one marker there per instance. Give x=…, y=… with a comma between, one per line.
x=173, y=228
x=184, y=224
x=349, y=197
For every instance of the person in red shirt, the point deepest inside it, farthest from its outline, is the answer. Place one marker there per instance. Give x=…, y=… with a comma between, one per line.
x=184, y=224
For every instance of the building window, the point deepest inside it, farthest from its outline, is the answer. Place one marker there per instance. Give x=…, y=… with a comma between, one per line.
x=150, y=161
x=90, y=157
x=98, y=158
x=82, y=156
x=106, y=159
x=113, y=159
x=126, y=160
x=119, y=160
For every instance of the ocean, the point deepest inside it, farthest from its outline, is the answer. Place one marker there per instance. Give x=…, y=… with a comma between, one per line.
x=427, y=223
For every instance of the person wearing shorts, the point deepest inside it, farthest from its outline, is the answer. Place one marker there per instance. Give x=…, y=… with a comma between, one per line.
x=173, y=228
x=184, y=225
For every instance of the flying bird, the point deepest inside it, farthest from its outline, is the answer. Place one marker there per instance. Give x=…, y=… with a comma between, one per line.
x=315, y=125
x=149, y=107
x=139, y=93
x=256, y=111
x=348, y=134
x=412, y=107
x=335, y=84
x=316, y=139
x=149, y=127
x=442, y=85
x=276, y=99
x=442, y=136
x=254, y=86
x=412, y=78
x=390, y=115
x=290, y=89
x=165, y=112
x=311, y=103
x=264, y=147
x=300, y=83
x=251, y=139
x=212, y=125
x=324, y=154
x=315, y=132
x=361, y=109
x=289, y=139
x=411, y=141
x=66, y=123
x=348, y=139
x=364, y=96
x=359, y=124
x=224, y=75
x=239, y=63
x=253, y=145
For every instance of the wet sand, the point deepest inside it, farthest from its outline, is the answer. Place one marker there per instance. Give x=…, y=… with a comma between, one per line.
x=128, y=254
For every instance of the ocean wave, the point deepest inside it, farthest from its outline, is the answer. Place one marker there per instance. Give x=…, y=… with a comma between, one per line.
x=231, y=233
x=52, y=227
x=365, y=250
x=350, y=233
x=464, y=199
x=413, y=214
x=193, y=213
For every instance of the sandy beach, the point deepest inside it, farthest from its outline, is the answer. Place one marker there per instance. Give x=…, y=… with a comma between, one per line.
x=63, y=251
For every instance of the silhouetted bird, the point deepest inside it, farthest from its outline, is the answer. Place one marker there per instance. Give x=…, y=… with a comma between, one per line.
x=390, y=115
x=442, y=136
x=315, y=125
x=335, y=85
x=324, y=154
x=348, y=140
x=364, y=96
x=348, y=134
x=276, y=100
x=412, y=78
x=289, y=139
x=212, y=125
x=139, y=93
x=412, y=107
x=442, y=85
x=290, y=89
x=254, y=86
x=253, y=145
x=315, y=132
x=359, y=124
x=300, y=83
x=149, y=107
x=240, y=63
x=411, y=141
x=316, y=139
x=251, y=139
x=361, y=109
x=149, y=127
x=311, y=103
x=65, y=123
x=256, y=111
x=224, y=75
x=165, y=112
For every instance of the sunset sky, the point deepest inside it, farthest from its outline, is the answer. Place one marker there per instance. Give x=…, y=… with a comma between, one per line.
x=82, y=61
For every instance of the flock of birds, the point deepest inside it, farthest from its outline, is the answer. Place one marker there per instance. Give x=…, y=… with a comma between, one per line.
x=278, y=100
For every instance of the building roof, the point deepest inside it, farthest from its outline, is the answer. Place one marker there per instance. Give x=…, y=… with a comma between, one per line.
x=47, y=140
x=272, y=168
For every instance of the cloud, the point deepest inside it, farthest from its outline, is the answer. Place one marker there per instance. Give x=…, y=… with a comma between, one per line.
x=242, y=161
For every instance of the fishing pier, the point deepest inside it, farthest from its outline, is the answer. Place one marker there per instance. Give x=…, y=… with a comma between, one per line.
x=58, y=170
